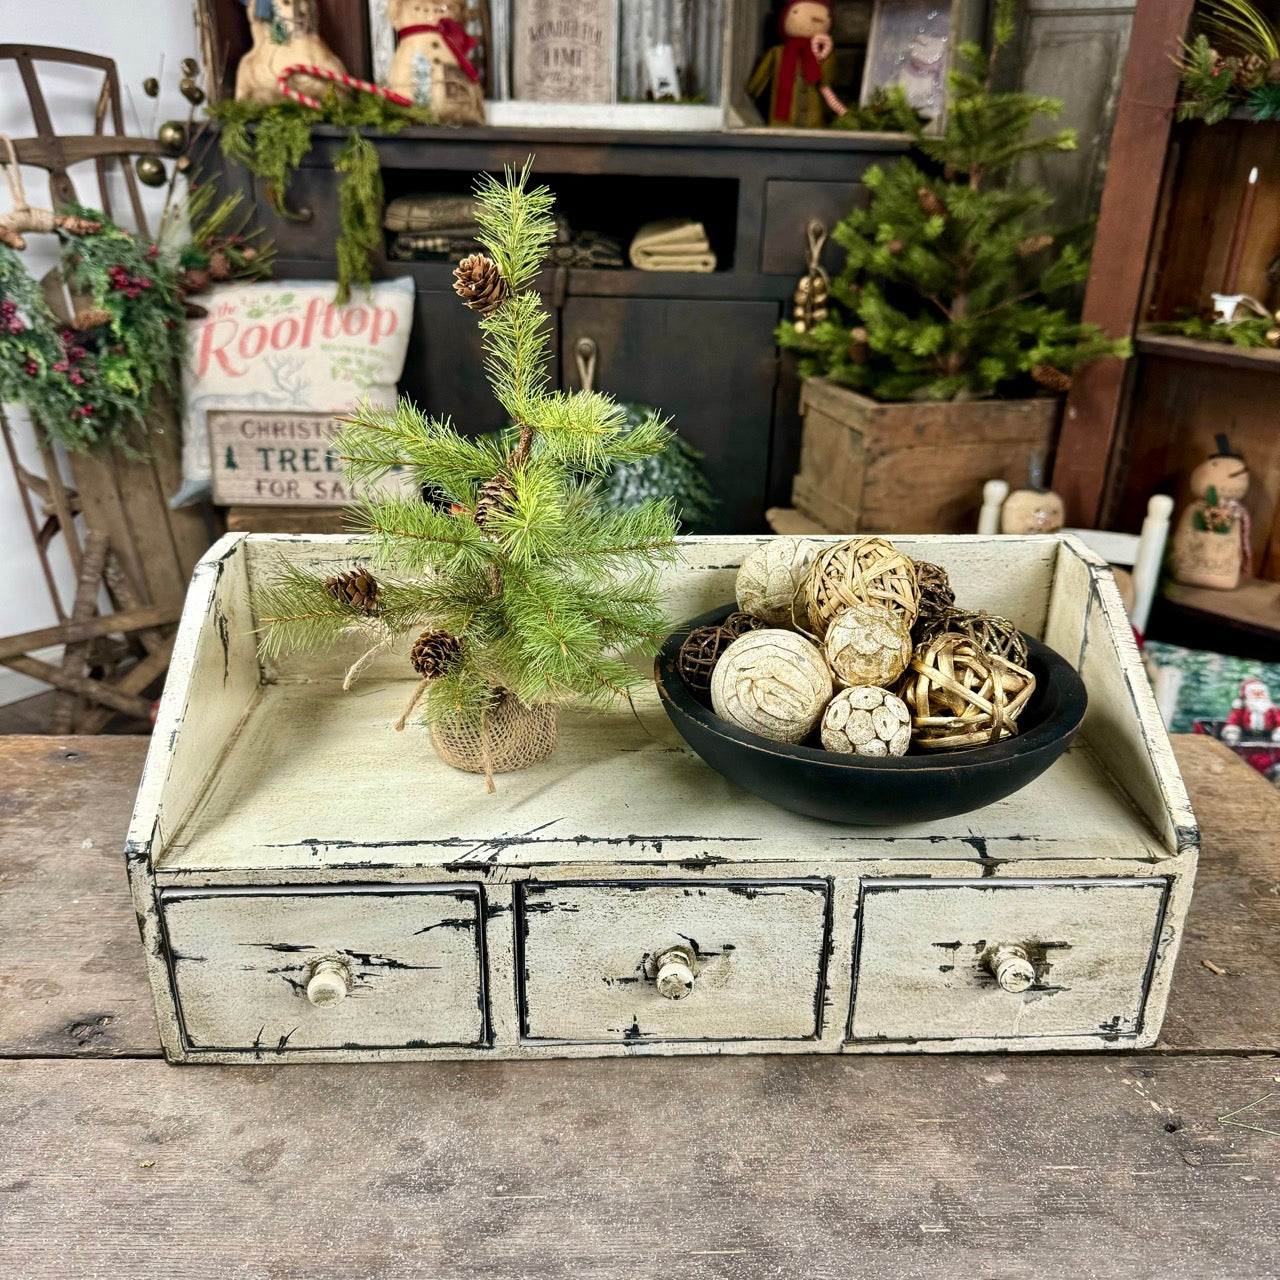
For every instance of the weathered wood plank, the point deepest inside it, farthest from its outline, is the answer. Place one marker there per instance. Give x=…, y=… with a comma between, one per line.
x=714, y=1168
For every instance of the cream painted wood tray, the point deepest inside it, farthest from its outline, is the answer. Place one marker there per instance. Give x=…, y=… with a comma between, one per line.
x=313, y=886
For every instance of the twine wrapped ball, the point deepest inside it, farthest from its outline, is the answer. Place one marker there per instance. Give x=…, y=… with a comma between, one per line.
x=960, y=696
x=774, y=683
x=935, y=589
x=867, y=644
x=860, y=571
x=770, y=579
x=991, y=633
x=866, y=721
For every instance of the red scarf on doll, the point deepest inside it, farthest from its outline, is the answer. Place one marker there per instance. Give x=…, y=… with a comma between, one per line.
x=454, y=34
x=797, y=53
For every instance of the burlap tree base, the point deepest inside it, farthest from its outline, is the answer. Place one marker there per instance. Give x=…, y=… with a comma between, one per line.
x=511, y=736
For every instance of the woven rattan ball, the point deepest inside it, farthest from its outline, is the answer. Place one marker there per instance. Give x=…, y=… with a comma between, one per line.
x=774, y=683
x=698, y=656
x=960, y=696
x=770, y=579
x=990, y=632
x=867, y=644
x=739, y=624
x=860, y=571
x=866, y=721
x=935, y=589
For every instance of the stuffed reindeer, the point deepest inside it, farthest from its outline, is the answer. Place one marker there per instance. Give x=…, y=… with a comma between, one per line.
x=285, y=34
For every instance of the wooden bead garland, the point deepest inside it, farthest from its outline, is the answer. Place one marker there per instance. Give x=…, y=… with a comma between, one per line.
x=770, y=579
x=703, y=647
x=860, y=571
x=960, y=696
x=866, y=721
x=774, y=683
x=867, y=644
x=990, y=632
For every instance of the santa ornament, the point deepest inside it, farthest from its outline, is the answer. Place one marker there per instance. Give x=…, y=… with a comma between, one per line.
x=797, y=73
x=1252, y=729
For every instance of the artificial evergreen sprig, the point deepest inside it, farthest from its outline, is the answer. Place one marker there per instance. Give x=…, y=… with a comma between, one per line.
x=515, y=578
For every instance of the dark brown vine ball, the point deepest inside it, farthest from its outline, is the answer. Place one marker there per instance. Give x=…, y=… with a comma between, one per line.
x=935, y=589
x=739, y=623
x=698, y=656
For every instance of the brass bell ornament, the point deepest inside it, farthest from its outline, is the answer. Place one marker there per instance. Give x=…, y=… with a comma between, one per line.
x=810, y=301
x=172, y=136
x=151, y=171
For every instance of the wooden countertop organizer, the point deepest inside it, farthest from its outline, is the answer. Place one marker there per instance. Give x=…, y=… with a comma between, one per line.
x=312, y=886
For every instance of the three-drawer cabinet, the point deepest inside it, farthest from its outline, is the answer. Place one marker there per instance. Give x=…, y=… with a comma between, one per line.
x=622, y=898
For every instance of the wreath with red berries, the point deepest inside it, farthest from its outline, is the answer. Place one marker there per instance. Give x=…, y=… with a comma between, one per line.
x=91, y=382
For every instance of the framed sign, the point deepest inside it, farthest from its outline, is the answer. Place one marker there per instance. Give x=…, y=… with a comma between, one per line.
x=910, y=45
x=564, y=50
x=275, y=458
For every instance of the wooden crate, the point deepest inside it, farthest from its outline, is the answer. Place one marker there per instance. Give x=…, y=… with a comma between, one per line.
x=868, y=467
x=285, y=837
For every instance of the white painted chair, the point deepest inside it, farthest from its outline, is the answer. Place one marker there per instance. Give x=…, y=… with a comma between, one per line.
x=1140, y=553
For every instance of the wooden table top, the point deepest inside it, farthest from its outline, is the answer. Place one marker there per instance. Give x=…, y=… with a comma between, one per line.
x=113, y=1164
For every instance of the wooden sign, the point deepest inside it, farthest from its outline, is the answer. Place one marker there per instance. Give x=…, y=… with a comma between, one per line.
x=565, y=50
x=279, y=459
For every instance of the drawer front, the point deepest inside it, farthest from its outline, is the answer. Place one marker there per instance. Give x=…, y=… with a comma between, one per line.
x=788, y=208
x=1075, y=958
x=325, y=969
x=595, y=956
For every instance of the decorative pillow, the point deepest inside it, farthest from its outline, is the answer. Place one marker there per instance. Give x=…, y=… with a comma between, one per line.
x=288, y=345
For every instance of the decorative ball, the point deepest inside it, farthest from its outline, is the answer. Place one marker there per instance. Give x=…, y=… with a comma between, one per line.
x=960, y=696
x=188, y=66
x=150, y=171
x=771, y=577
x=739, y=624
x=698, y=656
x=193, y=93
x=860, y=571
x=865, y=721
x=151, y=87
x=990, y=632
x=774, y=683
x=935, y=589
x=172, y=136
x=868, y=644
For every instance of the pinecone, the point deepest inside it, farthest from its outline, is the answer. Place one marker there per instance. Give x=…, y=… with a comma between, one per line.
x=479, y=283
x=930, y=203
x=859, y=348
x=1033, y=245
x=895, y=246
x=495, y=495
x=90, y=318
x=1251, y=72
x=78, y=226
x=1050, y=378
x=435, y=653
x=193, y=280
x=220, y=265
x=357, y=588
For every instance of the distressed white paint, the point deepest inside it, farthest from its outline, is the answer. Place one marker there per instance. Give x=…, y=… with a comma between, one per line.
x=242, y=836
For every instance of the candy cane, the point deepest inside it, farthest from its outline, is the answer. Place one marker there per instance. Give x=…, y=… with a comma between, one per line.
x=337, y=77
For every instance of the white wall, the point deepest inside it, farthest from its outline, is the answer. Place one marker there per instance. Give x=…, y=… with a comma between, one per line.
x=146, y=38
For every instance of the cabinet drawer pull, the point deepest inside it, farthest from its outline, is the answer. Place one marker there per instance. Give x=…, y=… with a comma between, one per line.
x=1012, y=967
x=330, y=982
x=674, y=972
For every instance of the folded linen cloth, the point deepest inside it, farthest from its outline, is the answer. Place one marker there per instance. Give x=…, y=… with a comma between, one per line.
x=672, y=244
x=439, y=212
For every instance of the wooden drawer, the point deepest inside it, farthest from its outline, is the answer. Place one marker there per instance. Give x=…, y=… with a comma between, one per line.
x=788, y=207
x=928, y=956
x=397, y=967
x=593, y=954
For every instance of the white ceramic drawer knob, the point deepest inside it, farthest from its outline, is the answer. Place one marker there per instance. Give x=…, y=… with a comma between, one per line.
x=330, y=982
x=674, y=972
x=1012, y=967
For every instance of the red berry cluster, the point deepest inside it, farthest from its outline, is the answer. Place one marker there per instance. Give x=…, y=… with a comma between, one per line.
x=72, y=355
x=10, y=320
x=130, y=286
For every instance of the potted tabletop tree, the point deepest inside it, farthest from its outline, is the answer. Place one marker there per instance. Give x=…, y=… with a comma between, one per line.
x=952, y=328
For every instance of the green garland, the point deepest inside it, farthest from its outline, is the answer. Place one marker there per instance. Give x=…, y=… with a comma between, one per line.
x=1249, y=333
x=272, y=141
x=89, y=387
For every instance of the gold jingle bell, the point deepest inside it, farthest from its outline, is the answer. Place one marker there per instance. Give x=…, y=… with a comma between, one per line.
x=172, y=136
x=150, y=171
x=809, y=301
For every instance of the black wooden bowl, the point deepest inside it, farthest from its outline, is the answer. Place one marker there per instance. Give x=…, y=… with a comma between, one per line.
x=871, y=792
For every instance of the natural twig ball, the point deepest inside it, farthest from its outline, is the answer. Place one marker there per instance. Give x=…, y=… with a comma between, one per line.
x=739, y=624
x=935, y=589
x=771, y=577
x=866, y=721
x=960, y=696
x=774, y=683
x=867, y=644
x=860, y=571
x=699, y=653
x=990, y=632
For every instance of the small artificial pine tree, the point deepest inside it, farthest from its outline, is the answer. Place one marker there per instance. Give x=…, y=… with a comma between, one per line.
x=513, y=579
x=950, y=279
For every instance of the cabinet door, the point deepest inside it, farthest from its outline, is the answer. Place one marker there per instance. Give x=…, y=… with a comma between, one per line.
x=710, y=366
x=444, y=368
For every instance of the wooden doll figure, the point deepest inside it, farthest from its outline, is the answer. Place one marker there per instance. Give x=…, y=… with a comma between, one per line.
x=285, y=33
x=1211, y=544
x=430, y=64
x=797, y=71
